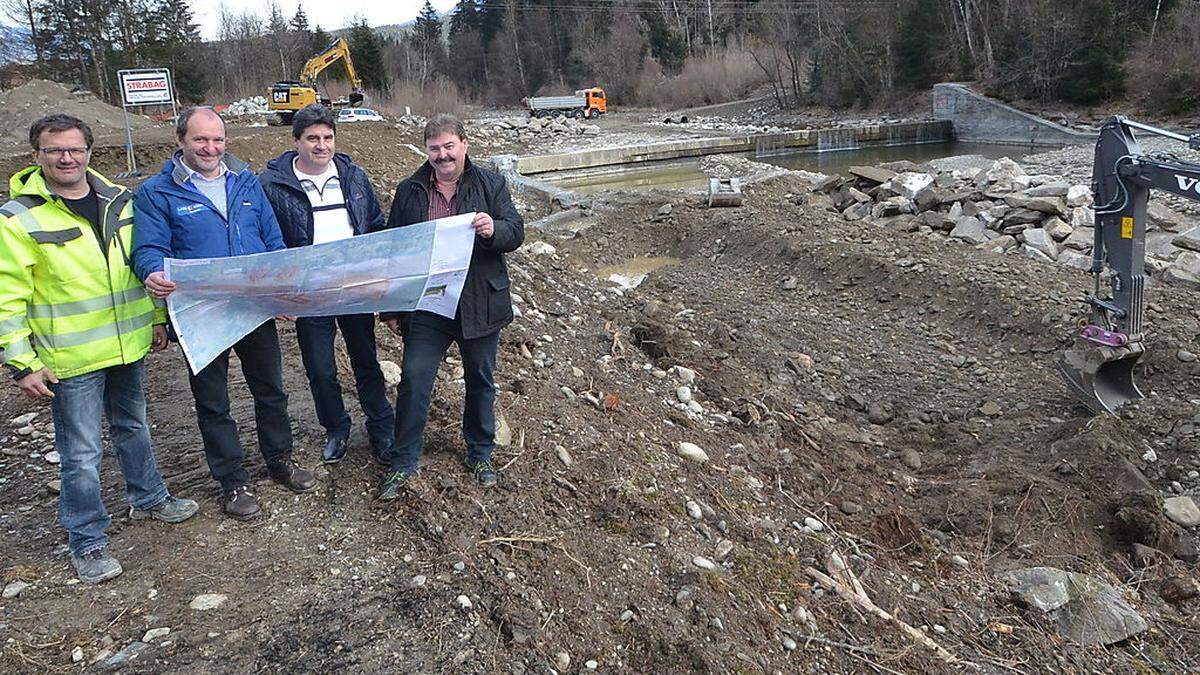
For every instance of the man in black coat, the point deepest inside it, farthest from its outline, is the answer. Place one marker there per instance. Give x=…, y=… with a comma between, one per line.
x=448, y=184
x=318, y=196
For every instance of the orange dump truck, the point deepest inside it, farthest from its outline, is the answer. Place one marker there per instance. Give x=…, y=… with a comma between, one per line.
x=587, y=103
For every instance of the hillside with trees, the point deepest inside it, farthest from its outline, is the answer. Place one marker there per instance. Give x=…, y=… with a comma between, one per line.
x=839, y=53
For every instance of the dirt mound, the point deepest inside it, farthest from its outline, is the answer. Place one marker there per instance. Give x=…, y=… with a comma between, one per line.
x=26, y=103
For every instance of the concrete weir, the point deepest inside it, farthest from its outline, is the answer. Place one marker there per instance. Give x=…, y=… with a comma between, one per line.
x=847, y=138
x=976, y=117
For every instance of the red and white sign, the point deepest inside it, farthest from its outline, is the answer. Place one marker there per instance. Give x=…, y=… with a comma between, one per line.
x=152, y=86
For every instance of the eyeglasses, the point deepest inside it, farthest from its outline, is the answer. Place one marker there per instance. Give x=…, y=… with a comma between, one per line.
x=59, y=153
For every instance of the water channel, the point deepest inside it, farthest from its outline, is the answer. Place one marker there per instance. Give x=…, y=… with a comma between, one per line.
x=686, y=174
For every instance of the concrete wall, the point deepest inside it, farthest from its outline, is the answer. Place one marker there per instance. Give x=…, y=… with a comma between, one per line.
x=978, y=118
x=815, y=139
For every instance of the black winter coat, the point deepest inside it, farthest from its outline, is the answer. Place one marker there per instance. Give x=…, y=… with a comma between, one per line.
x=486, y=303
x=294, y=211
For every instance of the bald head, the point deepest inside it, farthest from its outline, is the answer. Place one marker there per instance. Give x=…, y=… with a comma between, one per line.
x=201, y=134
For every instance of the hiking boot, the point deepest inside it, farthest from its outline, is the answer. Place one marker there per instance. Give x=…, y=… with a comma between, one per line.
x=394, y=484
x=287, y=473
x=171, y=510
x=485, y=473
x=96, y=566
x=335, y=449
x=240, y=503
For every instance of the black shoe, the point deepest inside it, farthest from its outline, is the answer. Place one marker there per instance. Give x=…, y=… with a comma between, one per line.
x=383, y=456
x=394, y=484
x=287, y=473
x=335, y=449
x=485, y=473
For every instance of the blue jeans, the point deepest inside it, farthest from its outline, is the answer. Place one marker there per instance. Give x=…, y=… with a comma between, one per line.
x=316, y=336
x=425, y=345
x=78, y=404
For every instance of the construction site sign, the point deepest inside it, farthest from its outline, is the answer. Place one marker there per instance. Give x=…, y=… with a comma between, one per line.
x=146, y=87
x=142, y=87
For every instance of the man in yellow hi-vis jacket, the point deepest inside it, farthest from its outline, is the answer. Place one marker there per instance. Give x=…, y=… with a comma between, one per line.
x=75, y=325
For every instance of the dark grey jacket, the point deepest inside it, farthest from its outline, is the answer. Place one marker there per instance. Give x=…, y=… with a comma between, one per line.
x=294, y=211
x=486, y=303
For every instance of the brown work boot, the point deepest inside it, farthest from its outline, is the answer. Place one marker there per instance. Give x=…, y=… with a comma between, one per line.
x=287, y=473
x=240, y=503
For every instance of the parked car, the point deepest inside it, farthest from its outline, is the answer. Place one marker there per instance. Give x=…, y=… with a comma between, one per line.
x=359, y=115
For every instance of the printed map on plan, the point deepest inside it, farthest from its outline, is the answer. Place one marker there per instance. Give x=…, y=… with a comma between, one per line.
x=218, y=301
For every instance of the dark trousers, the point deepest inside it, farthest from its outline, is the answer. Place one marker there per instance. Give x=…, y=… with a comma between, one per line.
x=263, y=367
x=425, y=345
x=315, y=335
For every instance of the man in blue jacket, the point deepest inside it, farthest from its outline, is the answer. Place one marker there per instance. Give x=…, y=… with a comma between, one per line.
x=319, y=195
x=206, y=204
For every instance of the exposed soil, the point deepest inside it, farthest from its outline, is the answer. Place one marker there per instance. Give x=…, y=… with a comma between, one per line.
x=896, y=389
x=24, y=104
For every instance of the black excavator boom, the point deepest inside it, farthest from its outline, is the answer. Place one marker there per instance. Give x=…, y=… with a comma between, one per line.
x=1099, y=368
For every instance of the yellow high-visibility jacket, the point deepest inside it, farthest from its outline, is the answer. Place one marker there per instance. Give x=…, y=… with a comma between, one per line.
x=68, y=301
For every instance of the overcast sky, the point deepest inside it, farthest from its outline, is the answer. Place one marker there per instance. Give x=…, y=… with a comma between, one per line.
x=327, y=14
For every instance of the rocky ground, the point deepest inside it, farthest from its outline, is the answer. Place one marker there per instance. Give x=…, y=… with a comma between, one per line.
x=802, y=443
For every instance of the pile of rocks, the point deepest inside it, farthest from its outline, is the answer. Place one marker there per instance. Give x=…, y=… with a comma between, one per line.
x=530, y=127
x=996, y=206
x=253, y=105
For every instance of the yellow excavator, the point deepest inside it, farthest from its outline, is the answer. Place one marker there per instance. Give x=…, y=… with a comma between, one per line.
x=289, y=96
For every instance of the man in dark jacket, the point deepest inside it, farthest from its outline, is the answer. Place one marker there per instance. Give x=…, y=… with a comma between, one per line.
x=318, y=196
x=448, y=184
x=207, y=204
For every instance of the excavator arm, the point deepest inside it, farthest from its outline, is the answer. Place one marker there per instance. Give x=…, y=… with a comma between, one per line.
x=337, y=50
x=1099, y=369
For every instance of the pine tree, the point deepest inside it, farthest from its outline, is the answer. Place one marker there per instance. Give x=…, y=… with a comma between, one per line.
x=299, y=22
x=180, y=45
x=367, y=49
x=427, y=36
x=919, y=38
x=465, y=17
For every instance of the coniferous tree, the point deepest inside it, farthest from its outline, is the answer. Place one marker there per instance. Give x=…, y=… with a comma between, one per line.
x=367, y=50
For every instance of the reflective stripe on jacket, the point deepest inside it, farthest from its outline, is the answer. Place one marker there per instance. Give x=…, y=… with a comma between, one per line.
x=69, y=301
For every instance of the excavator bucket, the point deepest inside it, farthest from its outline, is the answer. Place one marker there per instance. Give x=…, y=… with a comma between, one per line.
x=1101, y=377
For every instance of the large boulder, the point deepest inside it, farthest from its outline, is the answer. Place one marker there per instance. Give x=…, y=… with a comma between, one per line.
x=1039, y=239
x=1057, y=228
x=1081, y=239
x=893, y=206
x=1075, y=259
x=1050, y=189
x=1189, y=239
x=970, y=229
x=910, y=184
x=1085, y=609
x=1002, y=244
x=857, y=211
x=1167, y=218
x=1079, y=195
x=1082, y=216
x=1002, y=170
x=1184, y=271
x=1023, y=216
x=1049, y=205
x=872, y=174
